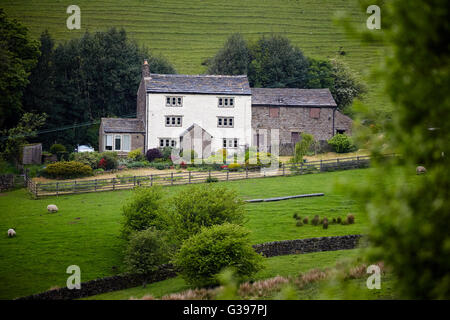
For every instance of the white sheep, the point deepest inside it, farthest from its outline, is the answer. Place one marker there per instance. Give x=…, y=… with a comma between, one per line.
x=11, y=233
x=52, y=208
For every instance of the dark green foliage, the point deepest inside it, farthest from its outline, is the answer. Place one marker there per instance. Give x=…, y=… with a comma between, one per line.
x=57, y=148
x=109, y=160
x=302, y=147
x=232, y=59
x=67, y=169
x=146, y=209
x=339, y=220
x=18, y=56
x=315, y=221
x=299, y=223
x=11, y=144
x=341, y=143
x=410, y=214
x=211, y=180
x=277, y=63
x=295, y=216
x=166, y=153
x=204, y=255
x=334, y=221
x=146, y=250
x=205, y=205
x=86, y=78
x=89, y=158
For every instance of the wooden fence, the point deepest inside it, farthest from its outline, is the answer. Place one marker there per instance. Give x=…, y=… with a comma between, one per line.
x=189, y=177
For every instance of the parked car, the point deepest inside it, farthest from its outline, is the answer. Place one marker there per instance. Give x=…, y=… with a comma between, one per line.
x=84, y=148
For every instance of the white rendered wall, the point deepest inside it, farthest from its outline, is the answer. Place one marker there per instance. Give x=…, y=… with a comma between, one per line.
x=203, y=110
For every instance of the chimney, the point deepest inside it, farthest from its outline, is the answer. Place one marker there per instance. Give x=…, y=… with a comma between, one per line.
x=145, y=69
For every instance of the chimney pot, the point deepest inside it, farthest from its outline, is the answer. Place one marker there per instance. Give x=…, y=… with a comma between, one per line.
x=145, y=69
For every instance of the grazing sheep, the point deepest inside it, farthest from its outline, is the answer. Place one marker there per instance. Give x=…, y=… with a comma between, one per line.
x=11, y=233
x=52, y=208
x=421, y=170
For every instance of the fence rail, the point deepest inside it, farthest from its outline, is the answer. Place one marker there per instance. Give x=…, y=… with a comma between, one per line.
x=190, y=177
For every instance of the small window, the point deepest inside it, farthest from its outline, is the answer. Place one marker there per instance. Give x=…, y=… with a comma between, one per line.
x=173, y=121
x=108, y=142
x=161, y=143
x=314, y=113
x=172, y=143
x=230, y=143
x=225, y=102
x=179, y=101
x=126, y=143
x=167, y=142
x=235, y=143
x=224, y=143
x=220, y=102
x=168, y=100
x=174, y=101
x=231, y=101
x=225, y=122
x=117, y=142
x=168, y=121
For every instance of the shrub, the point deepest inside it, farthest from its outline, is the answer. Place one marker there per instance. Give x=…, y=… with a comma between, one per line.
x=350, y=218
x=146, y=209
x=204, y=255
x=205, y=205
x=334, y=221
x=302, y=147
x=57, y=148
x=299, y=223
x=108, y=160
x=315, y=220
x=211, y=179
x=341, y=143
x=339, y=220
x=89, y=158
x=166, y=153
x=146, y=250
x=153, y=154
x=136, y=155
x=67, y=170
x=234, y=166
x=305, y=220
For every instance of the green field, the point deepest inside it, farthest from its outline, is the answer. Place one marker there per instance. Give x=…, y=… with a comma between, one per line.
x=188, y=32
x=86, y=229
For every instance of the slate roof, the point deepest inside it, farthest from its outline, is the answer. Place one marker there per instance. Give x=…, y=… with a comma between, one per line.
x=292, y=97
x=206, y=84
x=122, y=125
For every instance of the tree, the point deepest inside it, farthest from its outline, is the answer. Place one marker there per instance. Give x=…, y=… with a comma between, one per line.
x=12, y=140
x=232, y=59
x=277, y=63
x=18, y=55
x=302, y=147
x=409, y=214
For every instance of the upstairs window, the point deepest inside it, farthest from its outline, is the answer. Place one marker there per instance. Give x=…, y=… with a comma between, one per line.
x=173, y=121
x=314, y=113
x=274, y=112
x=226, y=102
x=174, y=101
x=225, y=122
x=167, y=142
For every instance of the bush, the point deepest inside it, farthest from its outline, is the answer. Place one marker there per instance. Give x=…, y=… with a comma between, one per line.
x=339, y=220
x=204, y=255
x=153, y=154
x=67, y=170
x=299, y=223
x=89, y=158
x=146, y=209
x=57, y=148
x=108, y=160
x=315, y=220
x=146, y=250
x=205, y=205
x=350, y=219
x=136, y=155
x=234, y=166
x=166, y=153
x=341, y=143
x=302, y=147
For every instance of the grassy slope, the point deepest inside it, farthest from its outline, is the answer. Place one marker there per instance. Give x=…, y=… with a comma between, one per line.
x=188, y=32
x=46, y=244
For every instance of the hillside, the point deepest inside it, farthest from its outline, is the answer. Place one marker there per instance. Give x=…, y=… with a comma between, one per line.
x=188, y=32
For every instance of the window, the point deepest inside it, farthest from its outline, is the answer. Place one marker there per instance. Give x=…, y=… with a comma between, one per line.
x=225, y=122
x=226, y=102
x=230, y=143
x=167, y=142
x=108, y=142
x=117, y=142
x=314, y=113
x=174, y=101
x=274, y=112
x=173, y=121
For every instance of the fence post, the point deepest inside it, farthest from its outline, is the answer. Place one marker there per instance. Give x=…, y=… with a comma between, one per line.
x=189, y=177
x=74, y=185
x=209, y=173
x=95, y=187
x=151, y=180
x=320, y=165
x=357, y=161
x=283, y=168
x=301, y=168
x=246, y=172
x=228, y=172
x=57, y=187
x=134, y=181
x=114, y=183
x=171, y=177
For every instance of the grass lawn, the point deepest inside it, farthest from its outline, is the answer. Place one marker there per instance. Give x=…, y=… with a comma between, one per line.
x=85, y=231
x=290, y=265
x=188, y=32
